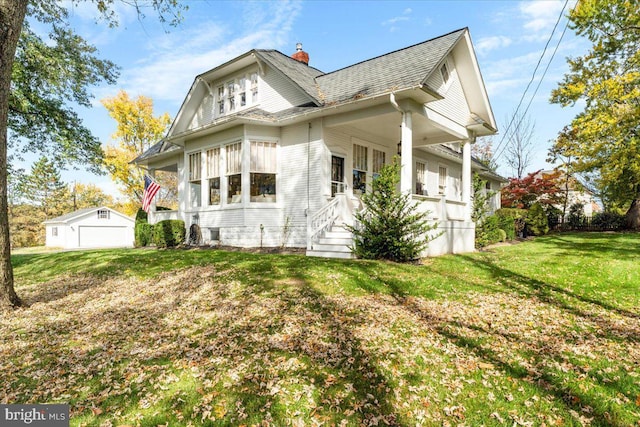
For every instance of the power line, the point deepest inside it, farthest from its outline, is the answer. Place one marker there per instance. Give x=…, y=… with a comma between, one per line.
x=498, y=149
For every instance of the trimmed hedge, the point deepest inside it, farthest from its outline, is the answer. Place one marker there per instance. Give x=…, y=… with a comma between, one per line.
x=169, y=233
x=143, y=234
x=608, y=220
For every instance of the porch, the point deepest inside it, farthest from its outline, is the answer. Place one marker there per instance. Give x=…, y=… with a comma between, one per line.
x=327, y=236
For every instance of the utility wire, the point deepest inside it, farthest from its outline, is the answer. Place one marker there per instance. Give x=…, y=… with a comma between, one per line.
x=506, y=133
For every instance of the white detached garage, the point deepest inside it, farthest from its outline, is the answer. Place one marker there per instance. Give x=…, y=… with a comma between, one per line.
x=100, y=227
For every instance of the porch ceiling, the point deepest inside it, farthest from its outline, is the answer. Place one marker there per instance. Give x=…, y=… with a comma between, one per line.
x=387, y=126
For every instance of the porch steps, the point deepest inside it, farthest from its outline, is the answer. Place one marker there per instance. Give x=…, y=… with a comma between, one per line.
x=334, y=244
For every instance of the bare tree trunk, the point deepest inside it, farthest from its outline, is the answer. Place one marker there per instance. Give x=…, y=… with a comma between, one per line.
x=12, y=14
x=633, y=215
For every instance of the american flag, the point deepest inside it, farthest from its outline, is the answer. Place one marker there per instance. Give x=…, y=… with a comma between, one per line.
x=150, y=189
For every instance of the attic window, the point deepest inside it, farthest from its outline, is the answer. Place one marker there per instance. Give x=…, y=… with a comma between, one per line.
x=444, y=70
x=220, y=100
x=103, y=214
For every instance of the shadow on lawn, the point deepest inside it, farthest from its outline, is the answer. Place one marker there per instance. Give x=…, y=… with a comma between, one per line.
x=244, y=348
x=471, y=336
x=595, y=244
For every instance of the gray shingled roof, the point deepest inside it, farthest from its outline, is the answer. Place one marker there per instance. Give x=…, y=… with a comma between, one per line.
x=404, y=68
x=157, y=148
x=301, y=74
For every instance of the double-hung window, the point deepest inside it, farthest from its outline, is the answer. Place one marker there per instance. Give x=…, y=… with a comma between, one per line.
x=234, y=172
x=231, y=95
x=195, y=165
x=220, y=100
x=359, y=168
x=242, y=91
x=442, y=179
x=421, y=178
x=263, y=171
x=254, y=88
x=213, y=175
x=378, y=162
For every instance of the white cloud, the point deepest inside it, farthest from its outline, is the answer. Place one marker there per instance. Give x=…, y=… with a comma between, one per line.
x=391, y=23
x=487, y=44
x=539, y=18
x=172, y=61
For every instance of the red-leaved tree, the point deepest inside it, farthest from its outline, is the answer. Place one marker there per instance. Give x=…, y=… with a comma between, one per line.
x=544, y=188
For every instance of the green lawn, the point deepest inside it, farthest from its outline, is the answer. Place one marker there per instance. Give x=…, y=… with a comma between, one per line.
x=545, y=332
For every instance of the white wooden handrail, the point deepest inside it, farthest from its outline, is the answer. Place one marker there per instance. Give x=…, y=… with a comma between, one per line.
x=322, y=220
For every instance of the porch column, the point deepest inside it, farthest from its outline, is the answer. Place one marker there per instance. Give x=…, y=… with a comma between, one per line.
x=407, y=153
x=466, y=179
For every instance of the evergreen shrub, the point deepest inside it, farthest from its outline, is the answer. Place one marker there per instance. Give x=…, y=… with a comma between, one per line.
x=169, y=233
x=608, y=220
x=143, y=232
x=536, y=221
x=390, y=227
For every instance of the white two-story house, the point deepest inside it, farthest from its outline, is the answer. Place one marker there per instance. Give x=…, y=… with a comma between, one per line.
x=270, y=151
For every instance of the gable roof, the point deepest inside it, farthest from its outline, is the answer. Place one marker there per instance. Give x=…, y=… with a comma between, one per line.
x=82, y=212
x=402, y=69
x=302, y=75
x=408, y=68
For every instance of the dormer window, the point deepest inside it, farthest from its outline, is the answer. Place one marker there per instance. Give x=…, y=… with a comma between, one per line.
x=254, y=87
x=444, y=70
x=242, y=91
x=235, y=94
x=103, y=214
x=220, y=100
x=231, y=95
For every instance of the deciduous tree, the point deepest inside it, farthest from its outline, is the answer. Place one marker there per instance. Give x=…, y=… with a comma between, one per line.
x=137, y=129
x=38, y=80
x=535, y=187
x=605, y=136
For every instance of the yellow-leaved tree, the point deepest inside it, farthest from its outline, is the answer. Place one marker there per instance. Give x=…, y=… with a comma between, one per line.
x=137, y=130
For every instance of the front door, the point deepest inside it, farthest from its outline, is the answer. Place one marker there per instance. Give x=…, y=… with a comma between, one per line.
x=337, y=175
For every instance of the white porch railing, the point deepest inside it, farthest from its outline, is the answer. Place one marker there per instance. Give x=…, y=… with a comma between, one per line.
x=440, y=208
x=323, y=220
x=158, y=216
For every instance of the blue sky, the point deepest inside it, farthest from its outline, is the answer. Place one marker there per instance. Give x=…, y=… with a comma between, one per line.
x=509, y=37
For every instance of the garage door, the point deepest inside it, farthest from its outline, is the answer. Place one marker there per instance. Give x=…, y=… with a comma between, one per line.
x=103, y=237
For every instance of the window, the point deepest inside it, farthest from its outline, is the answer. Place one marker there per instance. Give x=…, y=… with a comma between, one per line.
x=378, y=162
x=103, y=214
x=195, y=170
x=54, y=231
x=442, y=179
x=487, y=186
x=421, y=178
x=242, y=91
x=444, y=70
x=359, y=168
x=213, y=175
x=337, y=175
x=214, y=234
x=220, y=100
x=234, y=172
x=254, y=87
x=231, y=95
x=263, y=171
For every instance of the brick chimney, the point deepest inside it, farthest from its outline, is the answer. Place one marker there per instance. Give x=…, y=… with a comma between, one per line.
x=301, y=55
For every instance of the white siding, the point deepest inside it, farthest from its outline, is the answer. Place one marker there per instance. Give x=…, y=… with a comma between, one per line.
x=204, y=113
x=97, y=231
x=278, y=93
x=454, y=105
